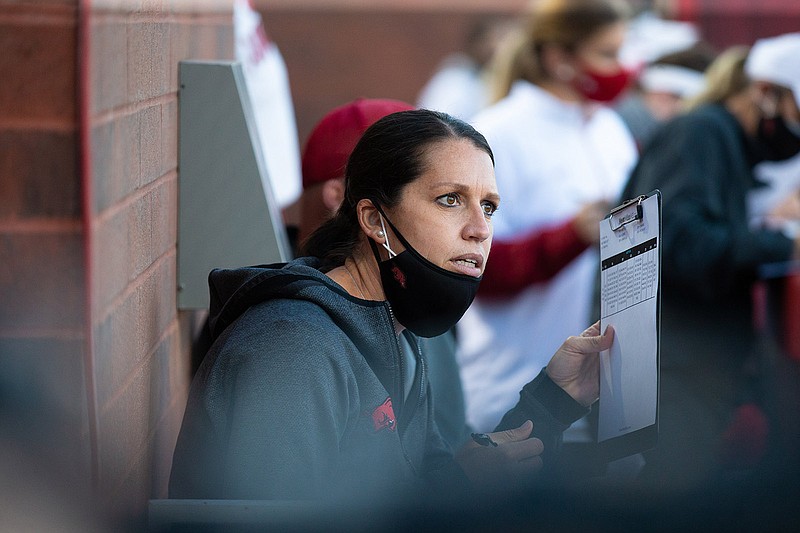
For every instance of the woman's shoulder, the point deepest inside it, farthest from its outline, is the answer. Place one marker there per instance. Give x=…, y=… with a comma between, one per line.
x=708, y=118
x=291, y=321
x=281, y=339
x=310, y=323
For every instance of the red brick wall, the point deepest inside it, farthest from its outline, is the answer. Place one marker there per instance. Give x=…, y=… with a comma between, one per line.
x=740, y=22
x=140, y=343
x=42, y=336
x=94, y=354
x=338, y=50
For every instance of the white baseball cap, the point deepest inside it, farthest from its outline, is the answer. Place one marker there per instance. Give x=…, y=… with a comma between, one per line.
x=776, y=60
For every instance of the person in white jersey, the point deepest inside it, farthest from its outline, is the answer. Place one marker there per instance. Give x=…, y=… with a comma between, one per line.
x=558, y=149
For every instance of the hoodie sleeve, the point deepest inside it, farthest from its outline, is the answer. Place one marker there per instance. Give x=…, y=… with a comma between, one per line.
x=550, y=409
x=264, y=416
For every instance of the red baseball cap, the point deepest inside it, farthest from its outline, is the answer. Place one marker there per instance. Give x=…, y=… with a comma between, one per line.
x=335, y=136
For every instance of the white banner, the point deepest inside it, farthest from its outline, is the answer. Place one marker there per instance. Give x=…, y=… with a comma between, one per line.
x=268, y=86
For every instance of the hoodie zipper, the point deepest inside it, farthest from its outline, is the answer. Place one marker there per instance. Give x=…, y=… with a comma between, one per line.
x=399, y=383
x=400, y=380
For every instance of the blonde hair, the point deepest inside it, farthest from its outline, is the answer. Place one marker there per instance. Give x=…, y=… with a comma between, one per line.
x=725, y=77
x=563, y=23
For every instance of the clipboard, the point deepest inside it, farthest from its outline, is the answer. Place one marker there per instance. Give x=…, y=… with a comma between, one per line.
x=630, y=301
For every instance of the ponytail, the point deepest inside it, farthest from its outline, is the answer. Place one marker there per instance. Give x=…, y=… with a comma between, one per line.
x=335, y=240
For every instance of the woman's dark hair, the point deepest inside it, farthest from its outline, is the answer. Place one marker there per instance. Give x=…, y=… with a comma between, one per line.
x=390, y=155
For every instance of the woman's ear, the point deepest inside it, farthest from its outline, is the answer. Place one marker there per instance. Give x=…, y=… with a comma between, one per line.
x=370, y=220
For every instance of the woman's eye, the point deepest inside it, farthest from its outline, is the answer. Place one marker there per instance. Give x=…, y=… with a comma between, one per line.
x=449, y=200
x=489, y=209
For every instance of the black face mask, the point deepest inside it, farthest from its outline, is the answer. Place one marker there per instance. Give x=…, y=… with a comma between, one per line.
x=426, y=299
x=777, y=141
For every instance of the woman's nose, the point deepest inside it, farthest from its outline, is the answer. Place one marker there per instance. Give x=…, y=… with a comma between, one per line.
x=478, y=227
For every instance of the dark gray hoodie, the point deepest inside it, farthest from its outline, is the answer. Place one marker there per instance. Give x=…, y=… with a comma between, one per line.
x=301, y=396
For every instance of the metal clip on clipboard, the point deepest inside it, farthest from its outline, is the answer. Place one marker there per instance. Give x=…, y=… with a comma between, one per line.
x=617, y=220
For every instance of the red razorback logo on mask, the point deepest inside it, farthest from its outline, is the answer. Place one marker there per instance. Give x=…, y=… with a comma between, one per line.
x=399, y=276
x=383, y=416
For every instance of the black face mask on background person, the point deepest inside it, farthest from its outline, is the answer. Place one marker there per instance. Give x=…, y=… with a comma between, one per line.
x=776, y=139
x=426, y=299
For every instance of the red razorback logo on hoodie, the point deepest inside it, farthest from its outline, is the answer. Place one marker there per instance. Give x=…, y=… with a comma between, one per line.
x=383, y=416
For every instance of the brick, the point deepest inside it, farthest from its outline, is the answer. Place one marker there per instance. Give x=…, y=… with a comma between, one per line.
x=127, y=243
x=140, y=235
x=102, y=165
x=187, y=43
x=115, y=160
x=153, y=225
x=43, y=7
x=38, y=64
x=157, y=298
x=169, y=135
x=179, y=49
x=150, y=141
x=164, y=213
x=41, y=281
x=111, y=259
x=169, y=415
x=108, y=71
x=129, y=402
x=209, y=39
x=162, y=382
x=148, y=57
x=146, y=408
x=132, y=330
x=117, y=348
x=41, y=174
x=124, y=432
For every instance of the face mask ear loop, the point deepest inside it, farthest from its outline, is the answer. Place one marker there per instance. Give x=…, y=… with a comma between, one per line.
x=385, y=243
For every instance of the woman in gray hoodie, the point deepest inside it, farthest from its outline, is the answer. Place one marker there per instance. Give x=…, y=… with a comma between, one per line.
x=315, y=385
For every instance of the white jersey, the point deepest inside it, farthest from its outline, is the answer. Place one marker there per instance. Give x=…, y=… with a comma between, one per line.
x=458, y=88
x=551, y=158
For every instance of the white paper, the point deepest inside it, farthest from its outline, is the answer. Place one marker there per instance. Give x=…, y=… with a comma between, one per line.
x=629, y=260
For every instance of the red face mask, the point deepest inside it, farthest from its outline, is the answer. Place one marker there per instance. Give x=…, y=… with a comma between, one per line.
x=601, y=87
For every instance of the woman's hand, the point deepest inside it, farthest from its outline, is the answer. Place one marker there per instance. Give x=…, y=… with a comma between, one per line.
x=575, y=367
x=513, y=462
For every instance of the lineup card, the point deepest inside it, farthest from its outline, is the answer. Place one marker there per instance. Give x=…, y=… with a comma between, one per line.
x=629, y=302
x=629, y=278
